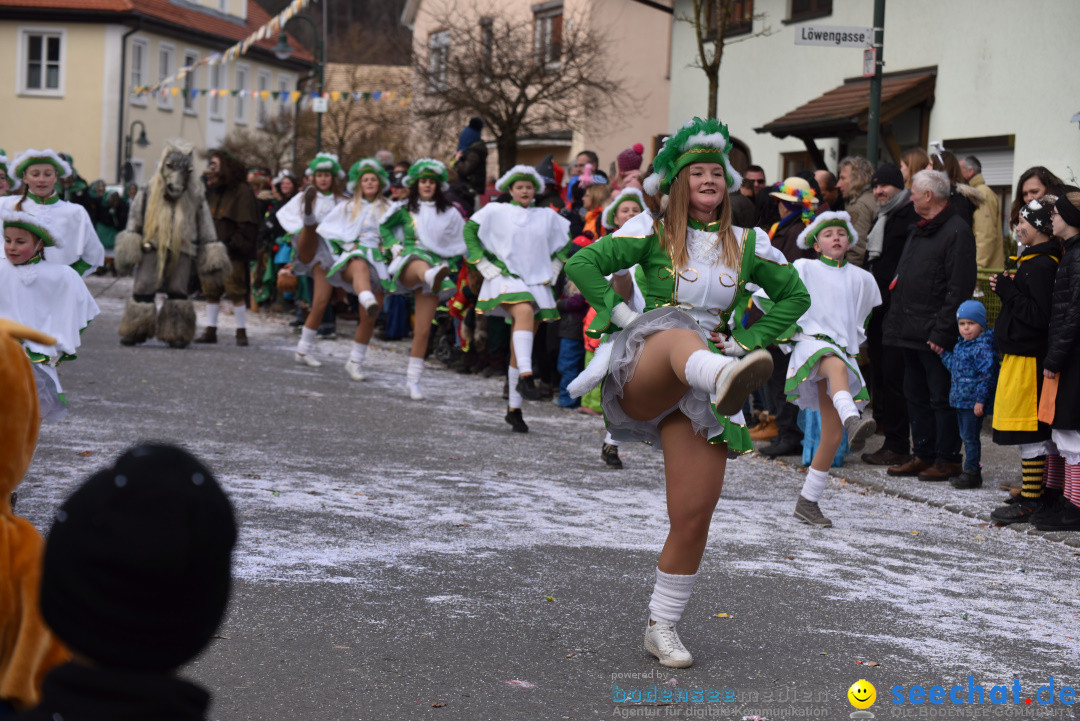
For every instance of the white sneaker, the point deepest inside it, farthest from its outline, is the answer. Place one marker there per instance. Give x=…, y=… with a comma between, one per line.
x=434, y=277
x=739, y=379
x=306, y=359
x=370, y=304
x=353, y=369
x=662, y=641
x=414, y=391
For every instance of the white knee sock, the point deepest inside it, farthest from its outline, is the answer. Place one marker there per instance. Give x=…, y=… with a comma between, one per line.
x=307, y=339
x=358, y=353
x=240, y=313
x=212, y=311
x=415, y=370
x=703, y=367
x=610, y=441
x=669, y=596
x=366, y=298
x=844, y=405
x=815, y=484
x=523, y=343
x=515, y=398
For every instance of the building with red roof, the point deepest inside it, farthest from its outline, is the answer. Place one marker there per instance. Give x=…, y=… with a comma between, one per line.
x=80, y=65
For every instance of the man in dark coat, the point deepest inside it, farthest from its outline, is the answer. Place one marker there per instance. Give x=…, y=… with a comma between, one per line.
x=936, y=273
x=885, y=244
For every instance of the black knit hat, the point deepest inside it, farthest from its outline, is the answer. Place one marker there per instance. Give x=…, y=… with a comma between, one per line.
x=1037, y=214
x=137, y=564
x=887, y=174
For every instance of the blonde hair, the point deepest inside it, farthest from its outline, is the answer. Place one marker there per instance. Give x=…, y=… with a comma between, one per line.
x=381, y=203
x=673, y=238
x=598, y=194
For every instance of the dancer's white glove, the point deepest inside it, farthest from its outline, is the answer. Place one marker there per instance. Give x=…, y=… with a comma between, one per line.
x=731, y=348
x=556, y=268
x=489, y=270
x=622, y=316
x=395, y=250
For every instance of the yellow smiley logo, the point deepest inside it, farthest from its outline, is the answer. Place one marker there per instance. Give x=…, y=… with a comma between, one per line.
x=862, y=694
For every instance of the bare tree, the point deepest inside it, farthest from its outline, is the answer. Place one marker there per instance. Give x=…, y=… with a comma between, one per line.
x=521, y=81
x=715, y=23
x=266, y=147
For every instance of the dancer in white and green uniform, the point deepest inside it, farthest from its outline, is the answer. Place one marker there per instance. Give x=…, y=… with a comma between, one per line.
x=352, y=231
x=39, y=171
x=46, y=296
x=520, y=250
x=422, y=235
x=676, y=376
x=311, y=254
x=823, y=372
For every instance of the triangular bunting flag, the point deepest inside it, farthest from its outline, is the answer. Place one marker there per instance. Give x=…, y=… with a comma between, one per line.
x=377, y=94
x=295, y=96
x=335, y=95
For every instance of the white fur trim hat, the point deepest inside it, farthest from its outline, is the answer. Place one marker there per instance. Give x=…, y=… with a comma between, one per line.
x=698, y=141
x=608, y=216
x=33, y=157
x=5, y=165
x=520, y=172
x=427, y=168
x=838, y=218
x=328, y=162
x=39, y=226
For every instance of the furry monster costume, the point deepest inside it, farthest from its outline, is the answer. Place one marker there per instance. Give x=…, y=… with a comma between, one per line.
x=27, y=648
x=170, y=234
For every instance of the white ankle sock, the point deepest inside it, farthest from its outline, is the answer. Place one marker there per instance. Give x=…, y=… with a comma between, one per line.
x=609, y=440
x=212, y=311
x=815, y=484
x=523, y=346
x=307, y=338
x=358, y=353
x=844, y=405
x=703, y=367
x=240, y=313
x=669, y=596
x=414, y=370
x=512, y=376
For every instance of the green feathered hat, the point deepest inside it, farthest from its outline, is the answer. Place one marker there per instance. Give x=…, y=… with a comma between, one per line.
x=5, y=165
x=34, y=157
x=520, y=172
x=328, y=162
x=427, y=168
x=699, y=141
x=608, y=216
x=38, y=226
x=367, y=165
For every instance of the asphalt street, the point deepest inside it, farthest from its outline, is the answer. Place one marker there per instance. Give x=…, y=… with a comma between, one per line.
x=417, y=560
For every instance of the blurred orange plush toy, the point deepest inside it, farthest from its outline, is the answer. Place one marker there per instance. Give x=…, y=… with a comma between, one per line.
x=28, y=650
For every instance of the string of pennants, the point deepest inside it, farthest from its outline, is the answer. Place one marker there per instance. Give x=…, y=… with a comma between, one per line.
x=293, y=96
x=266, y=32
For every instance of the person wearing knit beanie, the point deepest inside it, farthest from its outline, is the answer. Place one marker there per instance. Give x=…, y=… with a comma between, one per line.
x=630, y=159
x=887, y=174
x=135, y=581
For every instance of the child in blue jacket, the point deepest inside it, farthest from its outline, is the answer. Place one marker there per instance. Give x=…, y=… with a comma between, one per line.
x=973, y=367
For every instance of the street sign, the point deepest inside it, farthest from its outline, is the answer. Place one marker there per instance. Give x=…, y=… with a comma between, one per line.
x=320, y=105
x=869, y=62
x=833, y=36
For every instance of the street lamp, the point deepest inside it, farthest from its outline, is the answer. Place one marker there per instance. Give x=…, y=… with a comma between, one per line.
x=142, y=142
x=283, y=51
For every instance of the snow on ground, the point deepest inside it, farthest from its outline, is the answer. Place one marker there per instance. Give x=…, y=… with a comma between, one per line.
x=446, y=479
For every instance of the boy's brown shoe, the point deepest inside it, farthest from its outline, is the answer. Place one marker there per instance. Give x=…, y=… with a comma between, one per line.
x=941, y=471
